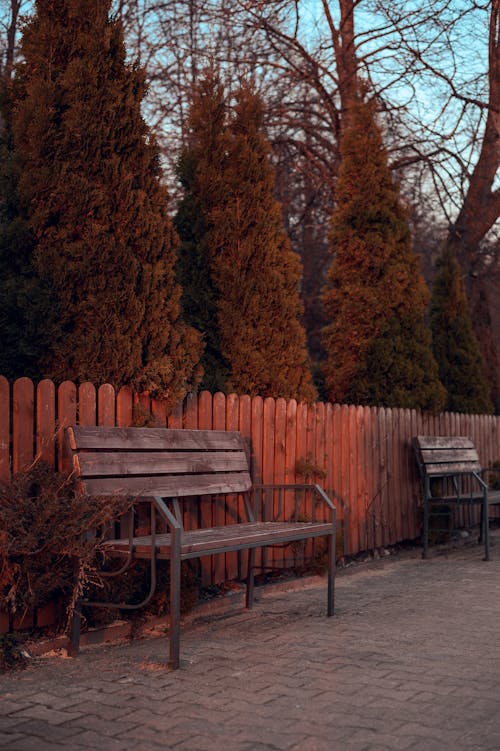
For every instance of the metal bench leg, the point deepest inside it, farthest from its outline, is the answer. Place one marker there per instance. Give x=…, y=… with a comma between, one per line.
x=250, y=578
x=425, y=532
x=485, y=527
x=76, y=622
x=175, y=600
x=331, y=575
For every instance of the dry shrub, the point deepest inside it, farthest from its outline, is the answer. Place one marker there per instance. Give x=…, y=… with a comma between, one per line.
x=45, y=527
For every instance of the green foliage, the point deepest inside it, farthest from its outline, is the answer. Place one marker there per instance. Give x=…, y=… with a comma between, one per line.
x=44, y=526
x=196, y=167
x=455, y=345
x=25, y=308
x=89, y=183
x=378, y=347
x=236, y=258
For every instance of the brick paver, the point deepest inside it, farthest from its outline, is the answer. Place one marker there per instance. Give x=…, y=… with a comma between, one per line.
x=411, y=661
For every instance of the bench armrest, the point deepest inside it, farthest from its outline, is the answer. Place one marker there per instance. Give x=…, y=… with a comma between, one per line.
x=316, y=489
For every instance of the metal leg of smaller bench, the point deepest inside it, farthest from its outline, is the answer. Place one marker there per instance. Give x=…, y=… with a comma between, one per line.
x=76, y=621
x=331, y=575
x=425, y=532
x=175, y=599
x=485, y=527
x=250, y=578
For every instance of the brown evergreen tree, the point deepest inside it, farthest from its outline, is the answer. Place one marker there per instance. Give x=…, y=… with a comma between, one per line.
x=90, y=184
x=455, y=345
x=378, y=346
x=248, y=306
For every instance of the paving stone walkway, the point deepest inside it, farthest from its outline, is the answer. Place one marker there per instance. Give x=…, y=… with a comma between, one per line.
x=411, y=661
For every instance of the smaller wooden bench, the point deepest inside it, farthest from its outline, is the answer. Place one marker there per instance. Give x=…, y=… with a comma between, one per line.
x=163, y=467
x=451, y=473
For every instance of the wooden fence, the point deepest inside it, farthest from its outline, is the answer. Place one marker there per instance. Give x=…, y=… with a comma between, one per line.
x=360, y=455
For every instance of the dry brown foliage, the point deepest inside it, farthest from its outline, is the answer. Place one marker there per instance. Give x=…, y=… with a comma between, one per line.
x=49, y=537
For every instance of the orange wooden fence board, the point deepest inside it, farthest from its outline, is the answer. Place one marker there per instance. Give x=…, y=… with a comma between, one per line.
x=5, y=409
x=46, y=422
x=23, y=424
x=87, y=404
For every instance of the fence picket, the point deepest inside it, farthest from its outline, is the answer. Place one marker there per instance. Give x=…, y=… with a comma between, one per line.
x=46, y=422
x=4, y=430
x=87, y=404
x=22, y=426
x=66, y=415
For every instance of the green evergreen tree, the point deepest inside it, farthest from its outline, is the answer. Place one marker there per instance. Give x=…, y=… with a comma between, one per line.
x=250, y=296
x=90, y=185
x=25, y=309
x=379, y=349
x=455, y=345
x=199, y=162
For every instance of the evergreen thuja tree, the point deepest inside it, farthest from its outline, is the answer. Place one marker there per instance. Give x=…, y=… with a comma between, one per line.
x=90, y=186
x=255, y=270
x=455, y=345
x=25, y=305
x=377, y=344
x=198, y=170
x=239, y=274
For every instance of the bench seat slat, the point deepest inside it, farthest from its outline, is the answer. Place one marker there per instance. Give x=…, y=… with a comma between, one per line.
x=171, y=486
x=211, y=540
x=152, y=439
x=95, y=464
x=444, y=442
x=429, y=456
x=451, y=468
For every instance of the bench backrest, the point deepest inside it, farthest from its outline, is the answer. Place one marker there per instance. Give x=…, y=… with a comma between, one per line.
x=441, y=456
x=158, y=461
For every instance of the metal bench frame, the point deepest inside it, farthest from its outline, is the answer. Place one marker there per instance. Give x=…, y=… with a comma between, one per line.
x=161, y=467
x=454, y=461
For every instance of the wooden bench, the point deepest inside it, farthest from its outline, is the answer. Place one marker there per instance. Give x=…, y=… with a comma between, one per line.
x=163, y=467
x=451, y=474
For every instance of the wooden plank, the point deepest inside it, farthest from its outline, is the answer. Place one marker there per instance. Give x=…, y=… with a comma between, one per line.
x=361, y=471
x=4, y=430
x=46, y=422
x=155, y=439
x=219, y=504
x=269, y=417
x=431, y=456
x=170, y=486
x=87, y=404
x=278, y=554
x=191, y=508
x=124, y=407
x=205, y=410
x=174, y=419
x=23, y=424
x=370, y=488
x=383, y=477
x=106, y=414
x=205, y=508
x=444, y=442
x=231, y=505
x=245, y=425
x=257, y=438
x=159, y=412
x=66, y=416
x=100, y=463
x=191, y=412
x=352, y=473
x=290, y=461
x=302, y=461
